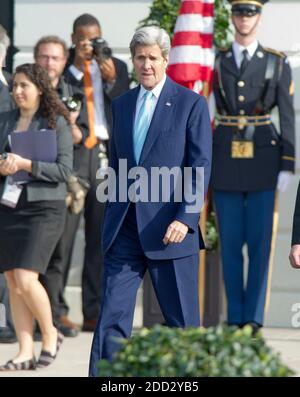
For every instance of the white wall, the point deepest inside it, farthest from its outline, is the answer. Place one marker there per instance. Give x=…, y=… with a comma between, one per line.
x=36, y=18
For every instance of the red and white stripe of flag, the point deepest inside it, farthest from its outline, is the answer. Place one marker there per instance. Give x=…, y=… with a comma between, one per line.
x=192, y=55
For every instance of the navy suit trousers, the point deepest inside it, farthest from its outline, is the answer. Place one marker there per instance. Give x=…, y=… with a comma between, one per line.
x=175, y=283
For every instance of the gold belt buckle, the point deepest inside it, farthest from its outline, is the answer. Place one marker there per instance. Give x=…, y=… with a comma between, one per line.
x=242, y=150
x=242, y=122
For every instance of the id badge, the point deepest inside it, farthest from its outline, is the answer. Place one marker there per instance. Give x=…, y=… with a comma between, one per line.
x=11, y=193
x=242, y=149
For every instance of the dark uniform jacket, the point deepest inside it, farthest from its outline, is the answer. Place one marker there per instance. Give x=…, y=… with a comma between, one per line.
x=266, y=83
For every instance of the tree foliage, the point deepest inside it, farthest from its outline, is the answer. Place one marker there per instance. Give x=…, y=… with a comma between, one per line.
x=163, y=13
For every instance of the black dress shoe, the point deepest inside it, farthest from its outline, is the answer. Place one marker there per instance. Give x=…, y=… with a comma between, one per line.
x=67, y=331
x=7, y=336
x=89, y=325
x=64, y=320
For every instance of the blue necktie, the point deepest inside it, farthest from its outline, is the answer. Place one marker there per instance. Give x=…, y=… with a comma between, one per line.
x=141, y=126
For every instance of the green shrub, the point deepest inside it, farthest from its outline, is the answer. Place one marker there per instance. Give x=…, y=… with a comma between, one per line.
x=221, y=351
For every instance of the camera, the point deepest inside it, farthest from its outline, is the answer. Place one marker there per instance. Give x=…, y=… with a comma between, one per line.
x=73, y=103
x=101, y=49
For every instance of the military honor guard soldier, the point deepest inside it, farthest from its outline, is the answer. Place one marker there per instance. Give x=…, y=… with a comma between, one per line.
x=251, y=159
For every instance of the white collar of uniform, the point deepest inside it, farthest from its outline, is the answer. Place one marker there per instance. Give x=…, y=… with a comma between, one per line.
x=156, y=90
x=238, y=48
x=78, y=74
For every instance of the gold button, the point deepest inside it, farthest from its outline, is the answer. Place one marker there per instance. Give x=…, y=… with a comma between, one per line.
x=242, y=111
x=242, y=122
x=241, y=83
x=241, y=98
x=273, y=142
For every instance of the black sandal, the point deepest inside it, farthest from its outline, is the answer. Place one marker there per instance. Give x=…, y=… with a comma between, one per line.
x=21, y=366
x=46, y=358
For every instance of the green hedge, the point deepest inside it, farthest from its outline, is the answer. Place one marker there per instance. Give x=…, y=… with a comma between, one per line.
x=213, y=352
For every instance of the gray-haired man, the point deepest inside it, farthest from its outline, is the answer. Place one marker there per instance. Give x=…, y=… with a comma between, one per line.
x=157, y=124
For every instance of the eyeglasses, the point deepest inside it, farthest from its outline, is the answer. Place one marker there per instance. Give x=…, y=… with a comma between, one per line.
x=48, y=57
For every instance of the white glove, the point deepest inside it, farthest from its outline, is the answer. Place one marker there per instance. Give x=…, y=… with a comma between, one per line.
x=284, y=178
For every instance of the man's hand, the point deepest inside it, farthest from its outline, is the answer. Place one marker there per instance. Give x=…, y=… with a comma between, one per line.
x=83, y=52
x=108, y=70
x=75, y=130
x=176, y=233
x=294, y=256
x=74, y=116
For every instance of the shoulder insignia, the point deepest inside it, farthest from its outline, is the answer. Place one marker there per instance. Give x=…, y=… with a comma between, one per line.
x=275, y=52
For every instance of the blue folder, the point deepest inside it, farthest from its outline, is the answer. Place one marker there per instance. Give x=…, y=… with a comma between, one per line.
x=38, y=145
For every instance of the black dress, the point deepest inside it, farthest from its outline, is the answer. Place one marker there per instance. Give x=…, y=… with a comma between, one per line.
x=29, y=233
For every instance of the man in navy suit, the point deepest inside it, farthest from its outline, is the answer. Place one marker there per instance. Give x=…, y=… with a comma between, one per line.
x=157, y=124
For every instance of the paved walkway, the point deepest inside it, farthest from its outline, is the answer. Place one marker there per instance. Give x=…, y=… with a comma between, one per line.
x=73, y=357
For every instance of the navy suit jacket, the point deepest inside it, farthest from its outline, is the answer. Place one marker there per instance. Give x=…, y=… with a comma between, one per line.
x=179, y=136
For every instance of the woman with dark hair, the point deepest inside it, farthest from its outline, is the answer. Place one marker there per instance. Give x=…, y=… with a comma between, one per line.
x=31, y=227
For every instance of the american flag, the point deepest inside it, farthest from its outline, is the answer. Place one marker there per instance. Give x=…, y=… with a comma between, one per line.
x=192, y=54
x=191, y=64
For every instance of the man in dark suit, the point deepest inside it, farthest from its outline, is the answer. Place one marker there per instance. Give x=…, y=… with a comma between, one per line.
x=250, y=158
x=7, y=334
x=102, y=78
x=51, y=52
x=158, y=125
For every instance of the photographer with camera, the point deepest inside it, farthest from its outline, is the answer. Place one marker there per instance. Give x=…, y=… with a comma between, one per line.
x=51, y=53
x=103, y=77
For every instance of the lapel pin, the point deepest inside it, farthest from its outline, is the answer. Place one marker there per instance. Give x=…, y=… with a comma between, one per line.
x=168, y=103
x=260, y=54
